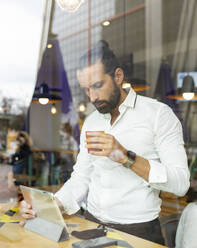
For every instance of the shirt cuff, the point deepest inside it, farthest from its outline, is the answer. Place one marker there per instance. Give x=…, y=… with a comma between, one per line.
x=158, y=173
x=70, y=205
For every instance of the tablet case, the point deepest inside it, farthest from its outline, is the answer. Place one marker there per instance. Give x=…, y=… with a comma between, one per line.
x=47, y=229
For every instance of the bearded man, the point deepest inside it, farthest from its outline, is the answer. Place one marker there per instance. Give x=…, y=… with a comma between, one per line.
x=131, y=148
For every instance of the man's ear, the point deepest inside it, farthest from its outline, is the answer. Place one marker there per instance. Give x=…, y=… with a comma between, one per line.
x=118, y=76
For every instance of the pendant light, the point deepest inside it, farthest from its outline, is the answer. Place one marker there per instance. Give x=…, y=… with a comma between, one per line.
x=69, y=5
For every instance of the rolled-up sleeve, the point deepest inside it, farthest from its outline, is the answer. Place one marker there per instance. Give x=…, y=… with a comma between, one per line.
x=171, y=173
x=75, y=190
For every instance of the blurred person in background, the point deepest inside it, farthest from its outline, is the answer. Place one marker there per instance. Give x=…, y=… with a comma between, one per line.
x=19, y=160
x=69, y=144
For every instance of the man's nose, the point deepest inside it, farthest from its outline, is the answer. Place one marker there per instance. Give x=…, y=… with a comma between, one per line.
x=93, y=96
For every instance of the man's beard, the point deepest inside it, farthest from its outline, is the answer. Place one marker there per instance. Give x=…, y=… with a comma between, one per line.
x=108, y=105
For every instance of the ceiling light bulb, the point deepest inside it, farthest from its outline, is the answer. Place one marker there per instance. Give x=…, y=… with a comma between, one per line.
x=43, y=101
x=69, y=5
x=188, y=95
x=106, y=23
x=82, y=108
x=49, y=46
x=53, y=110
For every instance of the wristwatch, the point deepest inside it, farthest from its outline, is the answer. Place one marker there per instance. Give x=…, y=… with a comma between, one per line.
x=131, y=158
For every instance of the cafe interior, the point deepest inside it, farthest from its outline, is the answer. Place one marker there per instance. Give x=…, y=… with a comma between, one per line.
x=43, y=107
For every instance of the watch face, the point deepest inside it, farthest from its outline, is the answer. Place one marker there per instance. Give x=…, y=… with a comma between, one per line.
x=131, y=155
x=131, y=159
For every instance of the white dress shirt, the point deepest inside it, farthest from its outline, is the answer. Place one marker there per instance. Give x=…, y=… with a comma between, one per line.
x=114, y=193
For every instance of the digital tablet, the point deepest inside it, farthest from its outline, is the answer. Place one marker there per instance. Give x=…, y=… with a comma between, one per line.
x=44, y=204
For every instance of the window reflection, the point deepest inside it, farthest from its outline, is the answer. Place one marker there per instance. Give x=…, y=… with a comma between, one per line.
x=155, y=42
x=22, y=31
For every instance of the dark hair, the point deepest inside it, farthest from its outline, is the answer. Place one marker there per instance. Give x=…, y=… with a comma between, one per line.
x=67, y=128
x=101, y=52
x=27, y=138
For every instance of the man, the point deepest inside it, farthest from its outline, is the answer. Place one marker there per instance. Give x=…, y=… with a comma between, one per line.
x=120, y=171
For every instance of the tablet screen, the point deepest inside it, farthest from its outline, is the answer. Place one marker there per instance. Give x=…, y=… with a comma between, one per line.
x=44, y=204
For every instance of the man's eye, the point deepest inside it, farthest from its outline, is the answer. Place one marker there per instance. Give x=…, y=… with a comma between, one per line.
x=97, y=85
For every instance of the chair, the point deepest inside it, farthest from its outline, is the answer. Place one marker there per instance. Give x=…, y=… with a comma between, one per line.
x=23, y=172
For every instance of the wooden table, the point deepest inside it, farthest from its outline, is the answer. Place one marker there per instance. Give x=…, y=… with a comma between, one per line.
x=15, y=236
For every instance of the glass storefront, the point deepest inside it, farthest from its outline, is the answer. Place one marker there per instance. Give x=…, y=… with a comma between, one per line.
x=155, y=44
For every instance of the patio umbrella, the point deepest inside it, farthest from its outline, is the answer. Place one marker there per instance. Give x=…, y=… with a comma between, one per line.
x=165, y=86
x=53, y=73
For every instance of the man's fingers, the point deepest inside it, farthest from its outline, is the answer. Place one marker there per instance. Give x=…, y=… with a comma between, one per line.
x=99, y=153
x=28, y=216
x=28, y=211
x=99, y=146
x=24, y=205
x=95, y=139
x=102, y=139
x=22, y=223
x=26, y=208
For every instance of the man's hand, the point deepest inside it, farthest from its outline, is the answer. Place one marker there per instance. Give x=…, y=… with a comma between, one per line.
x=103, y=144
x=26, y=212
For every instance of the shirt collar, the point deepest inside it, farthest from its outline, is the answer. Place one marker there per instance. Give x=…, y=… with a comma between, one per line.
x=129, y=101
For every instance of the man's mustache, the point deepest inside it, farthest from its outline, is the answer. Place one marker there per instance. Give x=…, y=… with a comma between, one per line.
x=97, y=103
